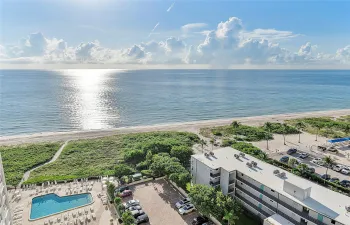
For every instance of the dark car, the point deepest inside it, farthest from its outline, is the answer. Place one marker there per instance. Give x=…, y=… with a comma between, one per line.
x=284, y=159
x=142, y=219
x=125, y=193
x=326, y=176
x=291, y=151
x=121, y=189
x=199, y=220
x=334, y=179
x=345, y=183
x=137, y=213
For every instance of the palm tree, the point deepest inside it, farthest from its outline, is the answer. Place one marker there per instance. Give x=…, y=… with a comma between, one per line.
x=284, y=132
x=300, y=125
x=235, y=124
x=230, y=218
x=329, y=162
x=212, y=141
x=346, y=129
x=303, y=168
x=318, y=127
x=202, y=143
x=267, y=127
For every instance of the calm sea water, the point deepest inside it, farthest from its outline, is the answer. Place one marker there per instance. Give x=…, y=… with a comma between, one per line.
x=44, y=101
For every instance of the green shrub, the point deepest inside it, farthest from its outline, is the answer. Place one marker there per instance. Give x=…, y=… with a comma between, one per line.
x=123, y=170
x=217, y=133
x=278, y=128
x=147, y=173
x=134, y=156
x=227, y=142
x=142, y=166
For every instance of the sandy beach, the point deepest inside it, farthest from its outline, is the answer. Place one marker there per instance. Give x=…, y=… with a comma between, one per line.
x=193, y=126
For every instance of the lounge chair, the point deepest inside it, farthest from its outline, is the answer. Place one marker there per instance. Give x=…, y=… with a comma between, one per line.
x=91, y=209
x=93, y=216
x=81, y=220
x=88, y=218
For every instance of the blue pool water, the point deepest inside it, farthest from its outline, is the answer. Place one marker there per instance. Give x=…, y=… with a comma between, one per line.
x=50, y=204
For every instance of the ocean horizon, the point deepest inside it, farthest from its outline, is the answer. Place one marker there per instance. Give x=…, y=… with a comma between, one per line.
x=34, y=101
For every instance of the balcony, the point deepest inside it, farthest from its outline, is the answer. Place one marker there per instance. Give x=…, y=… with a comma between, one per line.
x=305, y=215
x=214, y=175
x=214, y=184
x=231, y=182
x=230, y=190
x=240, y=197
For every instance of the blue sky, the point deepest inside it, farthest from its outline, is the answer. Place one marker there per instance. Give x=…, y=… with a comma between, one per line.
x=121, y=24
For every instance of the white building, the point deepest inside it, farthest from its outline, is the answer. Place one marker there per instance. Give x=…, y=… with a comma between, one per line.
x=266, y=190
x=5, y=214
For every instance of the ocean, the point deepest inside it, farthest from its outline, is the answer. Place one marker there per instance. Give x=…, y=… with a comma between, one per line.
x=34, y=101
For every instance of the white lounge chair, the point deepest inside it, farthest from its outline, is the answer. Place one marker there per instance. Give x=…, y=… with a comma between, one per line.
x=88, y=218
x=93, y=216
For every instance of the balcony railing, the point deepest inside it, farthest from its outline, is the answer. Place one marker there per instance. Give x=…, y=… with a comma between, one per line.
x=253, y=206
x=231, y=182
x=214, y=175
x=305, y=215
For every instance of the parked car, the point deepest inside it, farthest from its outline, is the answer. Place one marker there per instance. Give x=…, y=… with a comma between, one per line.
x=326, y=176
x=200, y=220
x=137, y=213
x=125, y=193
x=332, y=149
x=334, y=179
x=284, y=159
x=187, y=209
x=130, y=203
x=182, y=202
x=303, y=155
x=318, y=161
x=291, y=151
x=337, y=168
x=345, y=171
x=345, y=183
x=136, y=207
x=142, y=219
x=121, y=189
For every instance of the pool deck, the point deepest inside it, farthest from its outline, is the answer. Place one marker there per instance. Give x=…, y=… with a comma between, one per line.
x=102, y=213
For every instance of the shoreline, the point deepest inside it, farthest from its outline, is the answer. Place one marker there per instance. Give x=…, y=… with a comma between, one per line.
x=192, y=126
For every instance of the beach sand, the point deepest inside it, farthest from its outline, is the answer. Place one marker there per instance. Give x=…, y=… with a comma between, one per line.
x=185, y=126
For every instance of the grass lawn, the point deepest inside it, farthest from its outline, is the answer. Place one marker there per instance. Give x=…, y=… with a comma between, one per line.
x=20, y=158
x=95, y=157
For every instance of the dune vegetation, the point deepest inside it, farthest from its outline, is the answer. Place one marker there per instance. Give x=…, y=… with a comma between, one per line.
x=18, y=159
x=96, y=157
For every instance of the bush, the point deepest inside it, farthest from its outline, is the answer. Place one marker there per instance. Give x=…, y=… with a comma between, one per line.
x=134, y=156
x=183, y=153
x=123, y=170
x=217, y=133
x=278, y=128
x=142, y=166
x=147, y=173
x=227, y=142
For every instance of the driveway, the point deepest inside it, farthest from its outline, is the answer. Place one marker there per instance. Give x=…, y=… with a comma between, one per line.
x=158, y=199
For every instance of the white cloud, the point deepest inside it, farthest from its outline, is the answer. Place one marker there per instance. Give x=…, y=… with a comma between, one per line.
x=226, y=46
x=192, y=26
x=170, y=7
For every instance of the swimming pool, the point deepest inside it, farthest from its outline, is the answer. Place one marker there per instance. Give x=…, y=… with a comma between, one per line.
x=50, y=204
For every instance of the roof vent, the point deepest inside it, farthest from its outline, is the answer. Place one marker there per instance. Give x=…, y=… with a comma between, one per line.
x=283, y=174
x=276, y=172
x=249, y=164
x=206, y=154
x=211, y=153
x=236, y=156
x=347, y=208
x=254, y=164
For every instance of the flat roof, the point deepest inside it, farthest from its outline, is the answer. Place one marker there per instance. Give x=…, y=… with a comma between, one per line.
x=322, y=200
x=277, y=219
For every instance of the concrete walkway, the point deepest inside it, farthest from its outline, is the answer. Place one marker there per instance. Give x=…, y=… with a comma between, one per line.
x=54, y=158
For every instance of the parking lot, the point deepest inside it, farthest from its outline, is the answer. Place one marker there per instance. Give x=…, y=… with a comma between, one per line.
x=318, y=169
x=157, y=199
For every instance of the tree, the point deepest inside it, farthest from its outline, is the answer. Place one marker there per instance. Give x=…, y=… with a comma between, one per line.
x=202, y=143
x=292, y=162
x=128, y=219
x=212, y=141
x=300, y=125
x=117, y=200
x=303, y=168
x=121, y=170
x=181, y=179
x=329, y=162
x=267, y=127
x=230, y=218
x=183, y=153
x=149, y=156
x=318, y=128
x=235, y=124
x=203, y=197
x=134, y=156
x=110, y=190
x=284, y=132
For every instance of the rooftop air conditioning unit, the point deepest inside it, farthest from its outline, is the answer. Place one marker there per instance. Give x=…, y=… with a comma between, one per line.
x=211, y=153
x=236, y=156
x=283, y=174
x=254, y=164
x=276, y=172
x=241, y=154
x=206, y=154
x=249, y=165
x=347, y=208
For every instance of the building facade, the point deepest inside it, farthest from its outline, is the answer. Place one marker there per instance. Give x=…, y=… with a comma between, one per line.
x=266, y=190
x=5, y=213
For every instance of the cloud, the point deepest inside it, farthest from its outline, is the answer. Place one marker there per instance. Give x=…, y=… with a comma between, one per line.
x=269, y=34
x=193, y=26
x=225, y=46
x=170, y=7
x=154, y=28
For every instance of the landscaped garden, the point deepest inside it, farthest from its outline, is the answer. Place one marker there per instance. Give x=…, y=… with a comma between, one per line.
x=18, y=159
x=153, y=154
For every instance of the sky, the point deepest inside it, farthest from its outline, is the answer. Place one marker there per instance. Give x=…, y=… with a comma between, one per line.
x=211, y=32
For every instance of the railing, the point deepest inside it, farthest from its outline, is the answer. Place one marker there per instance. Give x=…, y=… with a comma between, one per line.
x=214, y=175
x=253, y=206
x=214, y=183
x=305, y=215
x=231, y=182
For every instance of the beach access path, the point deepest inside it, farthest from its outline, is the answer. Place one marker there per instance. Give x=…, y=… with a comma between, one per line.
x=185, y=126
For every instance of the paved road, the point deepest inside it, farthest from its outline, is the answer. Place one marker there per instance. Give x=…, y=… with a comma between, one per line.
x=318, y=169
x=54, y=158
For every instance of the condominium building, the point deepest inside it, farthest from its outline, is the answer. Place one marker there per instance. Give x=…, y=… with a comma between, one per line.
x=5, y=214
x=266, y=190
